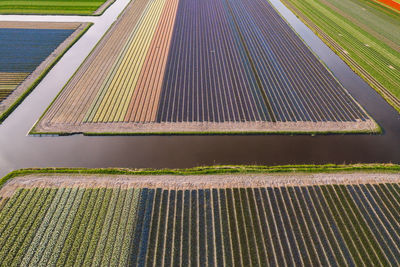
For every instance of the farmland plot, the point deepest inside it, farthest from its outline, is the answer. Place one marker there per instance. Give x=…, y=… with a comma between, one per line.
x=326, y=219
x=27, y=52
x=79, y=7
x=364, y=34
x=203, y=66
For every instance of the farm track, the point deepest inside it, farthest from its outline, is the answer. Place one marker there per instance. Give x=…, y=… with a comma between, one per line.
x=170, y=69
x=295, y=219
x=358, y=55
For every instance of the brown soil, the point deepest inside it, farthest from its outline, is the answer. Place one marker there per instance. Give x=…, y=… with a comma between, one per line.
x=193, y=181
x=43, y=127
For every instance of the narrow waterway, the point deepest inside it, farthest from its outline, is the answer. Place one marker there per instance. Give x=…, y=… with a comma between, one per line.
x=18, y=150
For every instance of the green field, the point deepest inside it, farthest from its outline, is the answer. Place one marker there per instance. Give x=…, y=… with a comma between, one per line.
x=48, y=227
x=351, y=224
x=367, y=35
x=80, y=7
x=96, y=217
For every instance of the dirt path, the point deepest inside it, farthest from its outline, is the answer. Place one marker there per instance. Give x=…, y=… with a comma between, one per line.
x=193, y=181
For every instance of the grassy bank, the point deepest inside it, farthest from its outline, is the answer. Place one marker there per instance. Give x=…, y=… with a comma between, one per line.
x=219, y=169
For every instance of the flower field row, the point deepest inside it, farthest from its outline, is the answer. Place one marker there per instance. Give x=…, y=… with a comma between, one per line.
x=82, y=7
x=367, y=40
x=28, y=50
x=353, y=224
x=190, y=62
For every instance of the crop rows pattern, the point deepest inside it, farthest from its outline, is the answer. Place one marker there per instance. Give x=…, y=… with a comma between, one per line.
x=22, y=50
x=54, y=227
x=84, y=7
x=336, y=225
x=368, y=41
x=202, y=61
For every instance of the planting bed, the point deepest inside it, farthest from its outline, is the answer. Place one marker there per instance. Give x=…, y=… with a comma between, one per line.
x=209, y=66
x=224, y=220
x=28, y=50
x=364, y=34
x=79, y=7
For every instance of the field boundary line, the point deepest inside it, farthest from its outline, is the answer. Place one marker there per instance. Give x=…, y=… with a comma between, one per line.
x=385, y=93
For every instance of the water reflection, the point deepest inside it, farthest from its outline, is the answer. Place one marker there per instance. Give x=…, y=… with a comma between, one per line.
x=17, y=150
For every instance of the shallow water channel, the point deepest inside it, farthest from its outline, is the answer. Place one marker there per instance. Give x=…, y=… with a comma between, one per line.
x=19, y=150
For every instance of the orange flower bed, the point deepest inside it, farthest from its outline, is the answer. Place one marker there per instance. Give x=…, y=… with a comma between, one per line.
x=390, y=3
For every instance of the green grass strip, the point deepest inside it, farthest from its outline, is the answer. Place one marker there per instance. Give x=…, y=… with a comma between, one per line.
x=52, y=7
x=217, y=169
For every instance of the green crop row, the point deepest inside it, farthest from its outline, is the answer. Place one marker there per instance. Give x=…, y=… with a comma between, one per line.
x=365, y=38
x=98, y=209
x=50, y=217
x=81, y=7
x=307, y=225
x=29, y=229
x=77, y=241
x=76, y=224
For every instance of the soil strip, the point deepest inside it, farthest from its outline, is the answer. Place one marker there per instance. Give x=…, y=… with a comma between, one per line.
x=194, y=181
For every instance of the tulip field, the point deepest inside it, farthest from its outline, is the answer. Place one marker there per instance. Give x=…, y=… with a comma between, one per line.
x=339, y=224
x=188, y=65
x=28, y=50
x=364, y=34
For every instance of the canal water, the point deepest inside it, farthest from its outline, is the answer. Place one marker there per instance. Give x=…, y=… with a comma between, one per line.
x=19, y=150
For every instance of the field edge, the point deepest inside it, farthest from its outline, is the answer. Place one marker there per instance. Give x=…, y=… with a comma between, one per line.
x=386, y=94
x=42, y=75
x=209, y=170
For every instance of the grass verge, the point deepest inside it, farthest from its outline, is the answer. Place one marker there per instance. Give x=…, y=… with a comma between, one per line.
x=217, y=169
